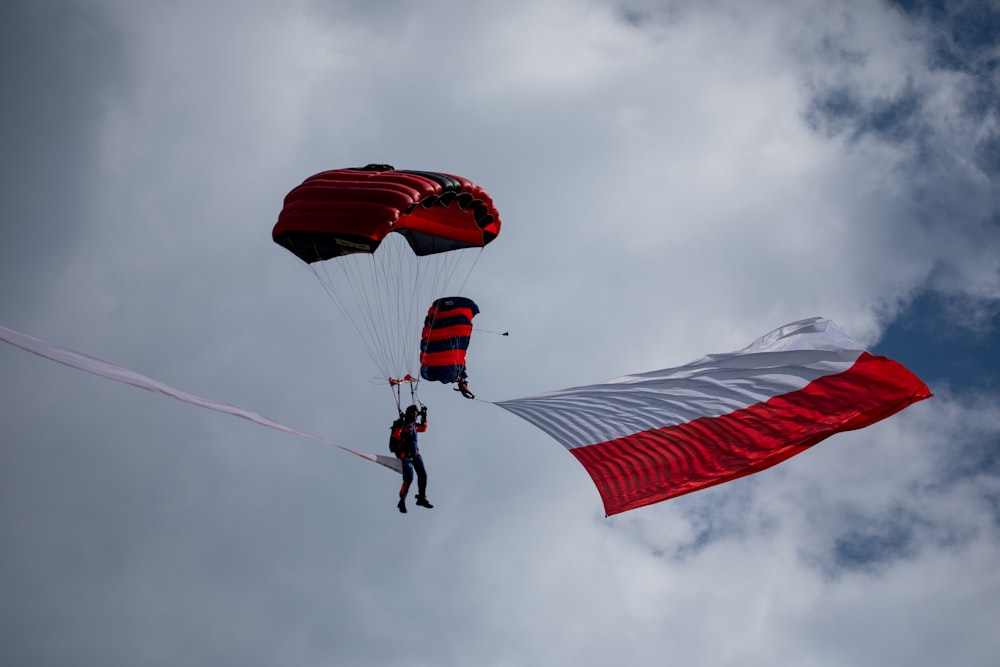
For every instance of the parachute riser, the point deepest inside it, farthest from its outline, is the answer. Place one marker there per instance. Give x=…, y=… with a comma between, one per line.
x=396, y=383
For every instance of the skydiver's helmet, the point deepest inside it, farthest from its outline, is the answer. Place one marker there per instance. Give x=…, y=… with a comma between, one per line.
x=411, y=413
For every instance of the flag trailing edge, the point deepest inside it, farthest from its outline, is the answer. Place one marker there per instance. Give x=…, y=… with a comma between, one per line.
x=648, y=437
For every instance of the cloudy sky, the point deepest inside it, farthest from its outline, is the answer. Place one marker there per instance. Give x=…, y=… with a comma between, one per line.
x=674, y=178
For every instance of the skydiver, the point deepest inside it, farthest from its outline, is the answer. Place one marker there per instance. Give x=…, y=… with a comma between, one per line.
x=463, y=386
x=409, y=455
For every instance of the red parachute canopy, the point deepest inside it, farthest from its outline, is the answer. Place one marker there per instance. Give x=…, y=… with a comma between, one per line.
x=345, y=211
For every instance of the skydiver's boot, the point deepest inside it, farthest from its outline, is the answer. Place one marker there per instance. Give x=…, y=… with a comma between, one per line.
x=402, y=505
x=423, y=502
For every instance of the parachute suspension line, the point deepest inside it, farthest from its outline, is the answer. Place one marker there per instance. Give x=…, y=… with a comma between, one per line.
x=361, y=314
x=365, y=293
x=409, y=312
x=450, y=264
x=395, y=395
x=375, y=312
x=417, y=305
x=324, y=280
x=413, y=394
x=391, y=267
x=386, y=272
x=468, y=273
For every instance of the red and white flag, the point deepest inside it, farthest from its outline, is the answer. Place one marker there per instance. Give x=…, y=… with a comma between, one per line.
x=652, y=436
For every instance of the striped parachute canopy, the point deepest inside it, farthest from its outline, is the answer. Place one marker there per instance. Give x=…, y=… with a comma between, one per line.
x=385, y=242
x=445, y=338
x=652, y=436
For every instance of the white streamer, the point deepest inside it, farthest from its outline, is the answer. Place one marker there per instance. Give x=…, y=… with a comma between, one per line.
x=118, y=374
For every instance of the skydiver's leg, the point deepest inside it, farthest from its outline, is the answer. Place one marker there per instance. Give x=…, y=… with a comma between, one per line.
x=407, y=476
x=418, y=463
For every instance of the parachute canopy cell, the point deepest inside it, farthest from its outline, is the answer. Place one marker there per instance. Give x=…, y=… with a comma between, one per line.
x=345, y=211
x=445, y=339
x=652, y=436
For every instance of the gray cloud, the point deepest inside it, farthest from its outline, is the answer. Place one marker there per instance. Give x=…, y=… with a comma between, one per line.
x=61, y=64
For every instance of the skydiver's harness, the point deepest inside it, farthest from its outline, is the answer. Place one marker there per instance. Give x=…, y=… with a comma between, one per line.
x=401, y=443
x=396, y=437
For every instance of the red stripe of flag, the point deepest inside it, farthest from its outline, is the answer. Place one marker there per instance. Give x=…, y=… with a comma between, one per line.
x=657, y=464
